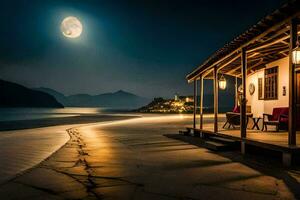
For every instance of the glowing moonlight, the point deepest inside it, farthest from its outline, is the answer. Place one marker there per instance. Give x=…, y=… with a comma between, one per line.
x=71, y=27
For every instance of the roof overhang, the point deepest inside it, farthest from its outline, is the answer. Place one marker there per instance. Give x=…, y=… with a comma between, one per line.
x=264, y=42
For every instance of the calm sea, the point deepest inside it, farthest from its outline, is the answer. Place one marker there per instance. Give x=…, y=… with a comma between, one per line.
x=12, y=114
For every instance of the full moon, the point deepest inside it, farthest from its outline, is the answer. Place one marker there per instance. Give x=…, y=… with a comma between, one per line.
x=71, y=27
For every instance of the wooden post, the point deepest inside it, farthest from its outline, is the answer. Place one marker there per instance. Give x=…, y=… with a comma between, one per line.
x=292, y=83
x=243, y=100
x=215, y=99
x=201, y=102
x=236, y=92
x=243, y=147
x=195, y=103
x=286, y=159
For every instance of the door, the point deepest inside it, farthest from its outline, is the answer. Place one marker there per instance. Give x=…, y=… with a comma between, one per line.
x=298, y=99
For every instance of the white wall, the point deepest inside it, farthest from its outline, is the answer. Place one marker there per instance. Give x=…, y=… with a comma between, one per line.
x=258, y=107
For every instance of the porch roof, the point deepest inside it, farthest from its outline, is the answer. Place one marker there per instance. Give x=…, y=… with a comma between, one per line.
x=264, y=42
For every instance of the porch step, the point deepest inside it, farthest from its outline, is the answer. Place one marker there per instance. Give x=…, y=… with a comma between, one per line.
x=222, y=140
x=217, y=143
x=184, y=132
x=215, y=146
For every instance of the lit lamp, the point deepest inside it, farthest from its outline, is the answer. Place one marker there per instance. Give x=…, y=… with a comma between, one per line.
x=222, y=82
x=296, y=55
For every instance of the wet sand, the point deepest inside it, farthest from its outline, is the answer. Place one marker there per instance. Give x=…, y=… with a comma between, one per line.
x=80, y=119
x=132, y=159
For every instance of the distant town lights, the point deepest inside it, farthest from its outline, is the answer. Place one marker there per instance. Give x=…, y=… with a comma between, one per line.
x=222, y=83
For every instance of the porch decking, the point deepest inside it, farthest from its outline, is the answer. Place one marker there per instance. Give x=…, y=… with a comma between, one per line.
x=267, y=139
x=270, y=140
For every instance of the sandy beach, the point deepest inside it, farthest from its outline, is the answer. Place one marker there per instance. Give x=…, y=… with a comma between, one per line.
x=132, y=159
x=22, y=149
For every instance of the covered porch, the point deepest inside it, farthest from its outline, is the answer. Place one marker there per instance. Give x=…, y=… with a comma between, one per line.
x=268, y=137
x=271, y=136
x=263, y=61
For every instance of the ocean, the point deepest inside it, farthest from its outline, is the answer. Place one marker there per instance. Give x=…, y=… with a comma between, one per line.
x=13, y=114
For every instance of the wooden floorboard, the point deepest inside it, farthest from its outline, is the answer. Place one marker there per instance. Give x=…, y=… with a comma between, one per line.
x=265, y=139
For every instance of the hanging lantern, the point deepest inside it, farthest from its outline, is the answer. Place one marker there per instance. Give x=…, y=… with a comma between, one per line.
x=296, y=55
x=240, y=89
x=222, y=83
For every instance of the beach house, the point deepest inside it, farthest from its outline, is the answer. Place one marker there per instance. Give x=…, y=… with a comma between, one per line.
x=265, y=61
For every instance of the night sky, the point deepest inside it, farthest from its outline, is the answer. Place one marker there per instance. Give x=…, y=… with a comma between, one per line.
x=144, y=47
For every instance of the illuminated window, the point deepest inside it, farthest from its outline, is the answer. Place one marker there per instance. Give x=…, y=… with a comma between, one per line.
x=271, y=83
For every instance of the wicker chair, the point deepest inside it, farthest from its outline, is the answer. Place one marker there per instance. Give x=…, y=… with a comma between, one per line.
x=233, y=118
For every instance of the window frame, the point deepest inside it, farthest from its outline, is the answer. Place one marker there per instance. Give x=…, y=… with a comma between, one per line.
x=271, y=85
x=260, y=88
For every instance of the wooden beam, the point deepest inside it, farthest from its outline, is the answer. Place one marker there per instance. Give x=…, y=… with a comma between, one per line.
x=195, y=103
x=243, y=100
x=228, y=62
x=201, y=102
x=269, y=44
x=238, y=67
x=207, y=72
x=271, y=50
x=233, y=70
x=285, y=53
x=215, y=99
x=284, y=42
x=236, y=92
x=270, y=38
x=273, y=28
x=292, y=88
x=256, y=58
x=204, y=74
x=256, y=64
x=259, y=63
x=234, y=75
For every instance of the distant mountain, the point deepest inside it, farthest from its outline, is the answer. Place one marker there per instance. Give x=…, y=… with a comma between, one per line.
x=119, y=99
x=61, y=98
x=15, y=95
x=80, y=100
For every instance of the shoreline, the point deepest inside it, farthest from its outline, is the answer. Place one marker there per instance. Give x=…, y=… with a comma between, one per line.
x=73, y=120
x=84, y=119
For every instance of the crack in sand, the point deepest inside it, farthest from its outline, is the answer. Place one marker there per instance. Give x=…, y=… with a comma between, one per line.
x=89, y=183
x=49, y=191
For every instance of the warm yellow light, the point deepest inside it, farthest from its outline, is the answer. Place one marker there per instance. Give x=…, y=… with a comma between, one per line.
x=222, y=83
x=296, y=56
x=187, y=99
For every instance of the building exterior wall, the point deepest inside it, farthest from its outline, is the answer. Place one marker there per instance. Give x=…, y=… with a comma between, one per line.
x=258, y=107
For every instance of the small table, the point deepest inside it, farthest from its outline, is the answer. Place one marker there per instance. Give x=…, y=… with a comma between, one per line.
x=255, y=122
